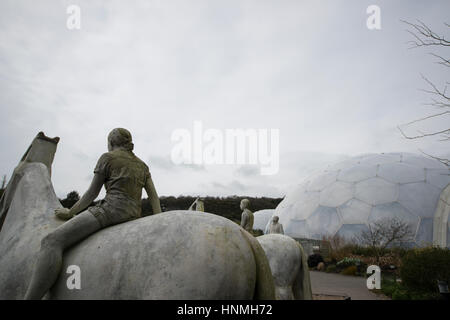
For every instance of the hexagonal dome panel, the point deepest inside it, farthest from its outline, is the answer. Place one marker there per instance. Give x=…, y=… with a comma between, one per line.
x=336, y=194
x=422, y=162
x=305, y=207
x=437, y=177
x=296, y=229
x=350, y=231
x=357, y=173
x=401, y=173
x=394, y=209
x=351, y=193
x=293, y=195
x=322, y=181
x=354, y=211
x=424, y=234
x=376, y=191
x=348, y=163
x=261, y=218
x=419, y=198
x=323, y=221
x=378, y=159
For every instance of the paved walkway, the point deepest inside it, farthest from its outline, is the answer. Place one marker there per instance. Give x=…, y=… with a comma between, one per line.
x=340, y=285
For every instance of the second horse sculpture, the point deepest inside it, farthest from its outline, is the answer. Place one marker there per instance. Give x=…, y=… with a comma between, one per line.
x=288, y=263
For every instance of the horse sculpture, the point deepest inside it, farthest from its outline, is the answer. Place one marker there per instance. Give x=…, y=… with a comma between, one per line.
x=288, y=263
x=172, y=255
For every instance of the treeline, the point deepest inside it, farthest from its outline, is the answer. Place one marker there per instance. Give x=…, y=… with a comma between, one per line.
x=227, y=207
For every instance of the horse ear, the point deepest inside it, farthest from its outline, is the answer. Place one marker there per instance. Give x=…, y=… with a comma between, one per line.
x=41, y=135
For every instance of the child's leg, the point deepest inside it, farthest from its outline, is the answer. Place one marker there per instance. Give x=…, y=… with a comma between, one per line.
x=49, y=262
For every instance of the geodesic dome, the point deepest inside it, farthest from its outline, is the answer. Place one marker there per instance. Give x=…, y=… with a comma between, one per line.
x=346, y=197
x=261, y=218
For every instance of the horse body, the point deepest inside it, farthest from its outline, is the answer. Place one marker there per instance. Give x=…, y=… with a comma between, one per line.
x=172, y=255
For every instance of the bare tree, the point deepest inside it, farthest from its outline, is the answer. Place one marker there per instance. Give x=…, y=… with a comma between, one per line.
x=383, y=233
x=423, y=36
x=336, y=242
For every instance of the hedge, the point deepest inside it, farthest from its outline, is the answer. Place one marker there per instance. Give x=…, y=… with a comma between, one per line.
x=422, y=268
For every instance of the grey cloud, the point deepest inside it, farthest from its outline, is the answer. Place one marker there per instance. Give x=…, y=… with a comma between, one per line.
x=311, y=69
x=248, y=170
x=161, y=162
x=166, y=163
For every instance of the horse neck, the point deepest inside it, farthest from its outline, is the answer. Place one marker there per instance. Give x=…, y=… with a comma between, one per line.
x=40, y=152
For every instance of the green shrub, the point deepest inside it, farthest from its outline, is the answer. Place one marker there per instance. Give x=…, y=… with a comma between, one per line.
x=422, y=268
x=400, y=294
x=370, y=252
x=399, y=251
x=349, y=271
x=362, y=251
x=398, y=291
x=346, y=262
x=388, y=287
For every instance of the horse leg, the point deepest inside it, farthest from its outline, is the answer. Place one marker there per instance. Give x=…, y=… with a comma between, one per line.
x=265, y=288
x=302, y=283
x=49, y=261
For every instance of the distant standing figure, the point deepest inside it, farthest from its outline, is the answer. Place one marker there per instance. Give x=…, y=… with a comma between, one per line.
x=274, y=226
x=247, y=217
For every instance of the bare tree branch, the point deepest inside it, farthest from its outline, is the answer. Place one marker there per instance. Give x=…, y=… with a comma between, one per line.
x=442, y=160
x=423, y=36
x=423, y=135
x=442, y=60
x=427, y=117
x=438, y=104
x=435, y=90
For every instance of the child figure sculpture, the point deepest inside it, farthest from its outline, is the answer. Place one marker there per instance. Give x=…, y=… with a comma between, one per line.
x=124, y=176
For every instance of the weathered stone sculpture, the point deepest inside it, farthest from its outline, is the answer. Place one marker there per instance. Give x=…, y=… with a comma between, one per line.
x=27, y=208
x=42, y=150
x=198, y=205
x=247, y=217
x=274, y=226
x=288, y=263
x=124, y=176
x=171, y=255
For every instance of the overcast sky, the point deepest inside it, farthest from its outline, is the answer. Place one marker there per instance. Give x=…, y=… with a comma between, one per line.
x=311, y=69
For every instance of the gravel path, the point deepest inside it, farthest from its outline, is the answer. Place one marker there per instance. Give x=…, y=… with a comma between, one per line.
x=339, y=285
